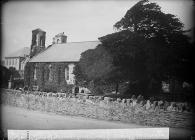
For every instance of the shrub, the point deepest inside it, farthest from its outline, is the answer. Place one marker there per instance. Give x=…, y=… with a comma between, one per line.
x=97, y=91
x=50, y=87
x=65, y=88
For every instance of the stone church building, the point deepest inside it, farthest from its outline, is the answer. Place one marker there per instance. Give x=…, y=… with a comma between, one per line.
x=51, y=68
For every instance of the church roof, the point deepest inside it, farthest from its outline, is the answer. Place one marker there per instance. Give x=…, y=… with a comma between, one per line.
x=20, y=53
x=65, y=52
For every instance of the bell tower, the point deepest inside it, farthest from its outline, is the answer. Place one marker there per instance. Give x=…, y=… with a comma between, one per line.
x=38, y=41
x=60, y=38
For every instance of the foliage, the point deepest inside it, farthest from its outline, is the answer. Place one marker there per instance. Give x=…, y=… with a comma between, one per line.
x=5, y=76
x=148, y=19
x=14, y=73
x=97, y=91
x=95, y=65
x=50, y=87
x=149, y=47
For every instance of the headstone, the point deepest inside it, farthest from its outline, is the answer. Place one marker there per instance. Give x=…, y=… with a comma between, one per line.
x=107, y=99
x=118, y=100
x=123, y=100
x=128, y=101
x=148, y=104
x=134, y=102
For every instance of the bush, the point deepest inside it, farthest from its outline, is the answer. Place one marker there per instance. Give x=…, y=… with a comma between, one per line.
x=50, y=87
x=97, y=91
x=65, y=88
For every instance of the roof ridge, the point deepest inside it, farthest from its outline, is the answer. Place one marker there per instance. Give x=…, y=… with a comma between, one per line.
x=73, y=42
x=81, y=41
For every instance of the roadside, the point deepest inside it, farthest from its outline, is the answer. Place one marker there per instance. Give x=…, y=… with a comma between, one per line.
x=19, y=118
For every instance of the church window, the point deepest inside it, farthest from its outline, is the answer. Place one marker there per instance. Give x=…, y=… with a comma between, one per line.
x=9, y=61
x=50, y=73
x=66, y=73
x=41, y=44
x=35, y=73
x=37, y=40
x=12, y=61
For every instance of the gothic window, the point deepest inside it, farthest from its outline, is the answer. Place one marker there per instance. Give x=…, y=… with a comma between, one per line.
x=41, y=41
x=9, y=61
x=37, y=40
x=66, y=73
x=12, y=61
x=50, y=73
x=35, y=72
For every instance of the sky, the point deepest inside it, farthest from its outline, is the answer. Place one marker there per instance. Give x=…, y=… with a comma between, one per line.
x=82, y=20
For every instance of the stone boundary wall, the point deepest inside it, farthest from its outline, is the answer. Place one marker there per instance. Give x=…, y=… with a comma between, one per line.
x=97, y=107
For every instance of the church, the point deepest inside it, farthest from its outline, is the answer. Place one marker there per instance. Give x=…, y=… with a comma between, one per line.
x=51, y=68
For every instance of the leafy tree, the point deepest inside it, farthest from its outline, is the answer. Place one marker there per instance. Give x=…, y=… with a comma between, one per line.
x=96, y=65
x=127, y=49
x=148, y=19
x=150, y=46
x=14, y=73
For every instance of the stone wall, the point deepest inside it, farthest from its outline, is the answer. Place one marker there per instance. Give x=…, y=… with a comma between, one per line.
x=98, y=107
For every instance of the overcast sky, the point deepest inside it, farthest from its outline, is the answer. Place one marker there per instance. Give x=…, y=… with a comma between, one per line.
x=79, y=20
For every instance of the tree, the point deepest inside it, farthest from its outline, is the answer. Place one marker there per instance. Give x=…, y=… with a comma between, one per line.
x=5, y=75
x=127, y=49
x=14, y=73
x=148, y=19
x=150, y=46
x=96, y=65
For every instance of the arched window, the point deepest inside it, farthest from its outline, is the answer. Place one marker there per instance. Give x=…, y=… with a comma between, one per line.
x=66, y=73
x=50, y=73
x=41, y=41
x=37, y=40
x=12, y=61
x=35, y=73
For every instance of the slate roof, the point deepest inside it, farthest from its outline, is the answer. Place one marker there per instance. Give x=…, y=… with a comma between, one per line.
x=65, y=52
x=20, y=53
